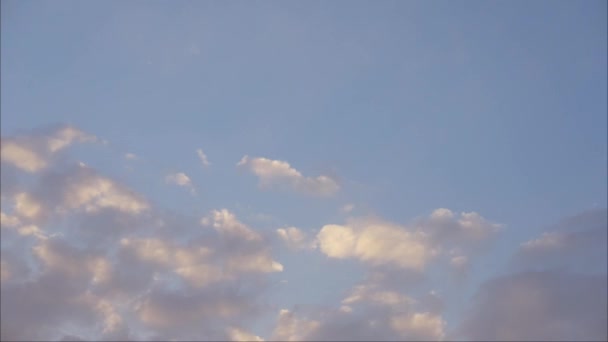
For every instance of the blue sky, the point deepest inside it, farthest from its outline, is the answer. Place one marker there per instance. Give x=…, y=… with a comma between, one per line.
x=497, y=108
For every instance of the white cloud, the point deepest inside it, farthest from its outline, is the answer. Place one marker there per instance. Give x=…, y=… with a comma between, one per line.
x=547, y=241
x=33, y=153
x=376, y=243
x=370, y=312
x=419, y=326
x=22, y=157
x=460, y=228
x=281, y=174
x=66, y=136
x=295, y=238
x=131, y=156
x=8, y=220
x=26, y=206
x=180, y=179
x=411, y=246
x=193, y=264
x=94, y=192
x=32, y=230
x=103, y=268
x=202, y=157
x=291, y=328
x=227, y=224
x=239, y=335
x=58, y=255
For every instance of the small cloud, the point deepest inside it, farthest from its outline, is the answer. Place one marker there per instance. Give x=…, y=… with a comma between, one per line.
x=241, y=335
x=180, y=179
x=131, y=156
x=33, y=153
x=347, y=208
x=280, y=174
x=203, y=157
x=295, y=238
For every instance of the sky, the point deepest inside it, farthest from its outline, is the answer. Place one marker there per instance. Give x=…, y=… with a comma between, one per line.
x=304, y=170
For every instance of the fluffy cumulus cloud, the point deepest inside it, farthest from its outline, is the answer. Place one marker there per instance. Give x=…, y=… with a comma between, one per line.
x=277, y=173
x=411, y=246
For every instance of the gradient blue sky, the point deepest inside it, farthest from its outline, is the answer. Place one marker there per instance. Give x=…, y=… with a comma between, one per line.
x=498, y=108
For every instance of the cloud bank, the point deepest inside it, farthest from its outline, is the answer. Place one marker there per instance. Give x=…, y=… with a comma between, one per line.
x=86, y=257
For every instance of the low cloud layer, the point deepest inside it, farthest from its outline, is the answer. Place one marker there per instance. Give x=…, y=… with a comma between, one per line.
x=86, y=257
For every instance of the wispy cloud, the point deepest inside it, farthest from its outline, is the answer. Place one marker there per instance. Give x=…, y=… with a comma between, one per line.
x=277, y=173
x=202, y=157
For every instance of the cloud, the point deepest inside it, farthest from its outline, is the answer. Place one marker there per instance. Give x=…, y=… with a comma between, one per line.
x=569, y=245
x=276, y=173
x=296, y=238
x=202, y=157
x=347, y=208
x=241, y=335
x=290, y=328
x=180, y=179
x=226, y=223
x=84, y=257
x=93, y=192
x=540, y=306
x=378, y=242
x=33, y=153
x=8, y=220
x=22, y=157
x=556, y=289
x=131, y=156
x=368, y=313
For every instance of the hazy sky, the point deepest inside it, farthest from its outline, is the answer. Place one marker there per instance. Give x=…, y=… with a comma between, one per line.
x=310, y=170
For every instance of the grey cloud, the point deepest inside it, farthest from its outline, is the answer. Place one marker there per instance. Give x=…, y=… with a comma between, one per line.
x=558, y=290
x=575, y=243
x=540, y=306
x=35, y=310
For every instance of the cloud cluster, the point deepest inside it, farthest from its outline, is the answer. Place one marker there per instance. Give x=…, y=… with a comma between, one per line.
x=277, y=173
x=85, y=257
x=33, y=153
x=378, y=242
x=368, y=312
